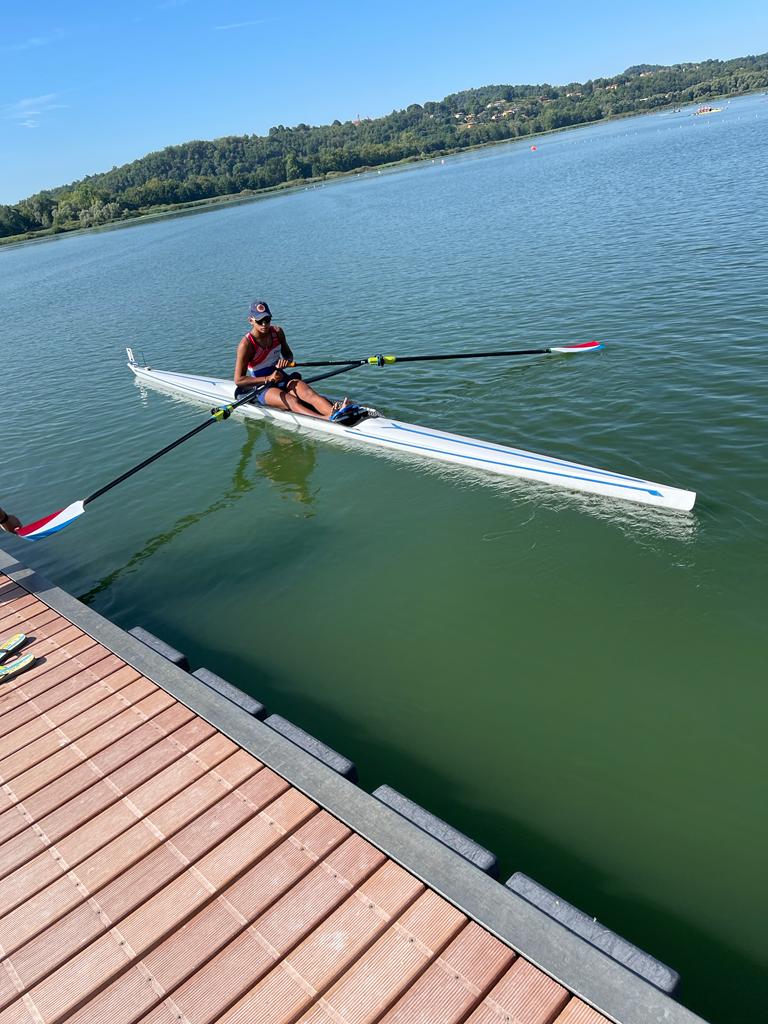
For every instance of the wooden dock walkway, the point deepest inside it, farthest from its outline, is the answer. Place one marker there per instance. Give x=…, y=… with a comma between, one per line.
x=153, y=868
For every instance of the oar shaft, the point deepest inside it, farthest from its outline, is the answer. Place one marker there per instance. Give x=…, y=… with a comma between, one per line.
x=347, y=363
x=147, y=462
x=333, y=373
x=216, y=414
x=382, y=360
x=471, y=355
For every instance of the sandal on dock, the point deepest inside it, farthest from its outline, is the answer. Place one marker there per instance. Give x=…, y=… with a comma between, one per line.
x=13, y=643
x=13, y=668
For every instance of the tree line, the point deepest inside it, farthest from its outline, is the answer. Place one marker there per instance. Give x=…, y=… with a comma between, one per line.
x=241, y=165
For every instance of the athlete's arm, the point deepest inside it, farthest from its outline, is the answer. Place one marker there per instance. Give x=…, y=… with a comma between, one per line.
x=285, y=349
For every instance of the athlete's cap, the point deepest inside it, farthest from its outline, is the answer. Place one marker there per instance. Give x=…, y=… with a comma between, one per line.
x=259, y=310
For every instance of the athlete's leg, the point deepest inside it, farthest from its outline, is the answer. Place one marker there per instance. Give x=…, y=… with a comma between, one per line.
x=288, y=402
x=321, y=405
x=310, y=397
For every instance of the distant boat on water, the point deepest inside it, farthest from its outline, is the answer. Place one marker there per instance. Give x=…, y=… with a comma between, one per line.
x=708, y=110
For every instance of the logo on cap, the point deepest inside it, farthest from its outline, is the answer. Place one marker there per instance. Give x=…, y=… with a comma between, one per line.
x=261, y=308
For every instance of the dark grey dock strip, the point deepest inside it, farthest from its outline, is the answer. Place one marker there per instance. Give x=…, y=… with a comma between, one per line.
x=591, y=975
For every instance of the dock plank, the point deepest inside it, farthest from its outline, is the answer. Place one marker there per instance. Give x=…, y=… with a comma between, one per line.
x=127, y=719
x=329, y=951
x=524, y=994
x=83, y=880
x=577, y=1012
x=91, y=707
x=393, y=963
x=456, y=982
x=193, y=954
x=97, y=811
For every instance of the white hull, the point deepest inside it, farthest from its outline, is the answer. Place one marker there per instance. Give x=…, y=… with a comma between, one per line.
x=436, y=445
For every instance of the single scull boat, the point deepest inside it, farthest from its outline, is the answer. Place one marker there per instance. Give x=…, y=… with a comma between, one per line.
x=436, y=445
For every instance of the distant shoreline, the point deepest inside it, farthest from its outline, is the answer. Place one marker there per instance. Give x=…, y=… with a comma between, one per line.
x=304, y=184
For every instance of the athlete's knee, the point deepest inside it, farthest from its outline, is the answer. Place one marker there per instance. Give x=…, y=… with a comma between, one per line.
x=276, y=398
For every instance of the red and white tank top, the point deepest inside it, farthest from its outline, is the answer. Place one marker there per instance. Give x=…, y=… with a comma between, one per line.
x=265, y=357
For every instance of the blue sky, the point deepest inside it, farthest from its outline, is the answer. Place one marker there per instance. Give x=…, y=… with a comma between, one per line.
x=85, y=85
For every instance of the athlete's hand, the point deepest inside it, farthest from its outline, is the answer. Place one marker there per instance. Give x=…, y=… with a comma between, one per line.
x=274, y=378
x=10, y=524
x=283, y=362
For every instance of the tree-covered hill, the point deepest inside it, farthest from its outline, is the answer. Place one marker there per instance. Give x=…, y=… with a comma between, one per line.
x=199, y=171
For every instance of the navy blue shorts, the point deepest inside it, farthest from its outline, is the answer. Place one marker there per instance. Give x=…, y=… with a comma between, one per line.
x=261, y=397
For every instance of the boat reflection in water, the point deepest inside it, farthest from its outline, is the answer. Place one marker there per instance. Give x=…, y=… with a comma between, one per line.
x=642, y=523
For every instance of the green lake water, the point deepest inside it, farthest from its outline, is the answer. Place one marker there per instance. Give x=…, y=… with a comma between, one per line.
x=578, y=684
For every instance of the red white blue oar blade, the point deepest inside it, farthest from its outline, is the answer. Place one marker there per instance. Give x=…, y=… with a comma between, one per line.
x=584, y=346
x=51, y=524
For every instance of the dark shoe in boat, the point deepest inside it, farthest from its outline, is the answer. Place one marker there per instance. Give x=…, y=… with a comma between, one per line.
x=350, y=414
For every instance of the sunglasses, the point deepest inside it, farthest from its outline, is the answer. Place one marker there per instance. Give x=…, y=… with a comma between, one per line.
x=263, y=320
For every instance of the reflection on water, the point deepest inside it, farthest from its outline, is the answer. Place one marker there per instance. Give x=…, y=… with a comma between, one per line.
x=639, y=522
x=287, y=463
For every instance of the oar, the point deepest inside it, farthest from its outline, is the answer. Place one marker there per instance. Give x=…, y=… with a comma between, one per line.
x=380, y=360
x=64, y=516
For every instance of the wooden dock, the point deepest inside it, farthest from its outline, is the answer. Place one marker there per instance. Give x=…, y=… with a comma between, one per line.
x=157, y=865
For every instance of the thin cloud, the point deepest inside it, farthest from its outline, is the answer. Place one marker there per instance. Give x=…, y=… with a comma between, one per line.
x=33, y=43
x=242, y=24
x=26, y=112
x=166, y=5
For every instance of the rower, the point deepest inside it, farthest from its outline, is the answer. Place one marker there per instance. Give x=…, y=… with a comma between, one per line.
x=262, y=355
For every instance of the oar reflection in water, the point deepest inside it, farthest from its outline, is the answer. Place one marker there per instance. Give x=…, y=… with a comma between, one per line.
x=287, y=463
